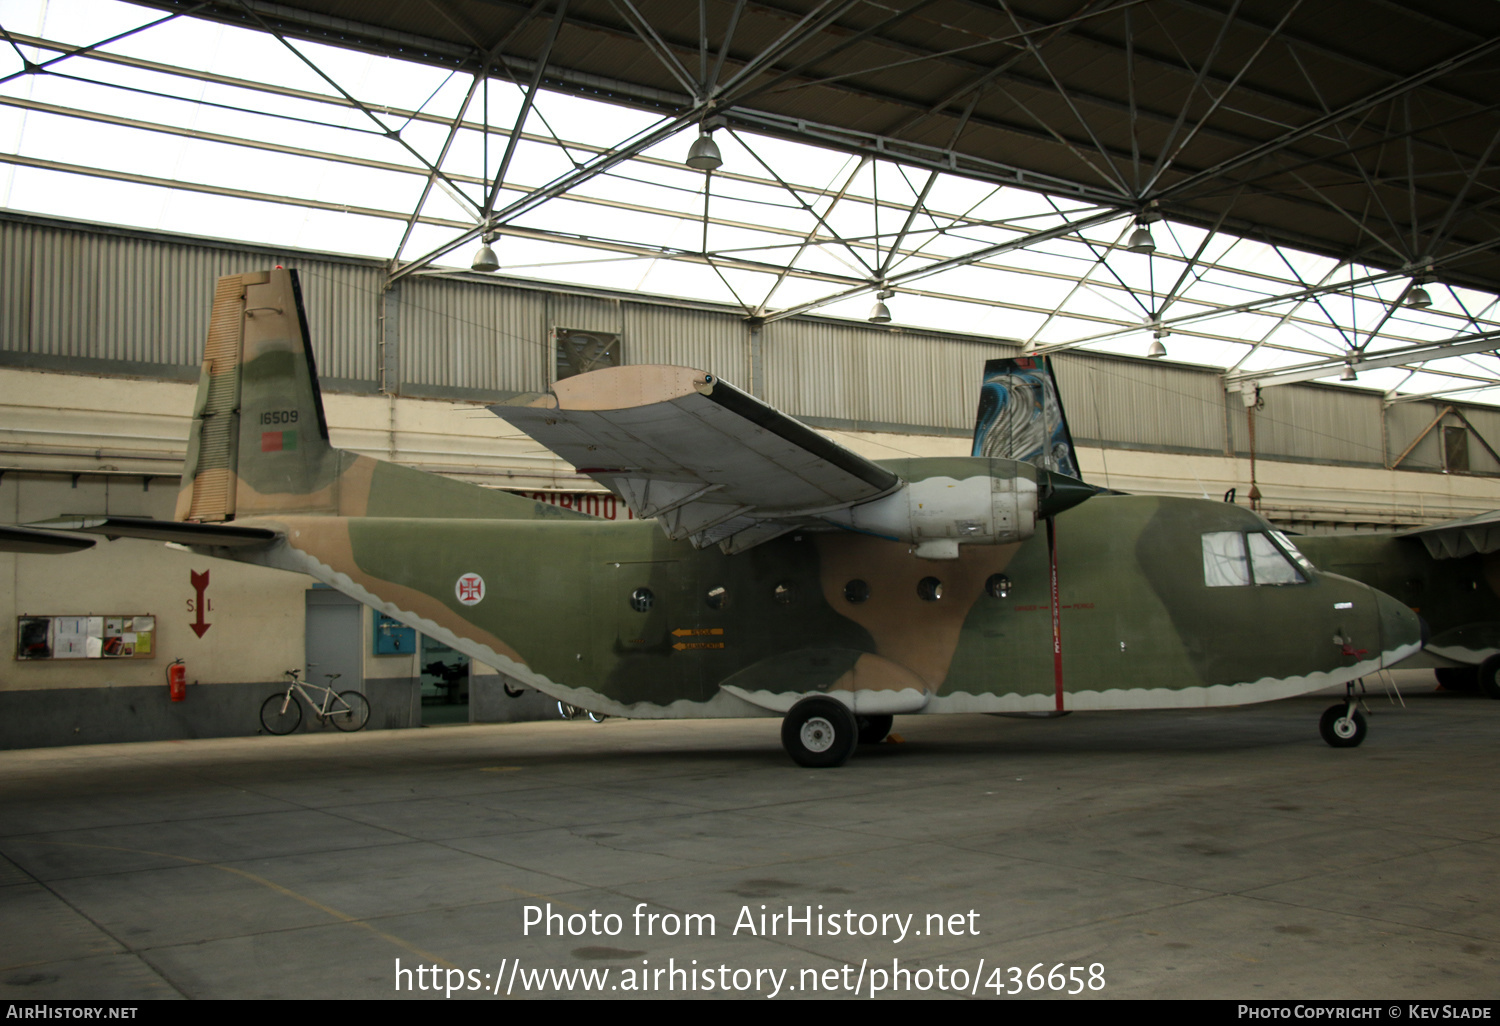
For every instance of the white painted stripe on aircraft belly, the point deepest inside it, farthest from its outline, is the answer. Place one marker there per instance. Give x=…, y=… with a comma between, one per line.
x=1460, y=654
x=1264, y=690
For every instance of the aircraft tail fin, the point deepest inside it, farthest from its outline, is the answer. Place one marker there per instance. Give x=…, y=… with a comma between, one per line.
x=259, y=440
x=1021, y=416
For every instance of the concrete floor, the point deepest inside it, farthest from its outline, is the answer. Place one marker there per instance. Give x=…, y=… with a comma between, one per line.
x=1228, y=854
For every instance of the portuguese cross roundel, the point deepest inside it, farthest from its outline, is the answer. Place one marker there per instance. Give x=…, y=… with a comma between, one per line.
x=469, y=589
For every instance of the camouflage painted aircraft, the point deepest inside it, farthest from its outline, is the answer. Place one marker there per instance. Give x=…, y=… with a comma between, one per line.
x=772, y=572
x=1450, y=574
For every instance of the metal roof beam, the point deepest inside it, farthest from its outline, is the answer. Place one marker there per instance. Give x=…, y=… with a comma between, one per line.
x=557, y=187
x=1388, y=92
x=1068, y=228
x=1479, y=342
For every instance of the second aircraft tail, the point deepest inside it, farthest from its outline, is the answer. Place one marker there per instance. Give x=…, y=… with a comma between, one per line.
x=1021, y=416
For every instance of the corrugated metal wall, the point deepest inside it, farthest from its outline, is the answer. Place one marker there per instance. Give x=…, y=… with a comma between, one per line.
x=586, y=313
x=1308, y=422
x=455, y=335
x=87, y=295
x=75, y=294
x=1406, y=422
x=1141, y=404
x=873, y=376
x=715, y=342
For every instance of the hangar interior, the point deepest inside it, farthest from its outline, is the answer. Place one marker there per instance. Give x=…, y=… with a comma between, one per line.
x=1259, y=246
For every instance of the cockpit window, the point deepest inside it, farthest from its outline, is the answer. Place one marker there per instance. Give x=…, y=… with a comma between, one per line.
x=1291, y=550
x=1268, y=563
x=1232, y=559
x=1224, y=564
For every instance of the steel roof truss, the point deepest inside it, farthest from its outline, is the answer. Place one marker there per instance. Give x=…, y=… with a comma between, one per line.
x=1478, y=342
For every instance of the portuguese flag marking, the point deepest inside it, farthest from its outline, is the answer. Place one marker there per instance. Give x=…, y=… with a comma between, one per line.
x=278, y=441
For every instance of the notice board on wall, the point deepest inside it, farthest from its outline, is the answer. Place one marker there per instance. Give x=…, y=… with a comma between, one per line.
x=128, y=636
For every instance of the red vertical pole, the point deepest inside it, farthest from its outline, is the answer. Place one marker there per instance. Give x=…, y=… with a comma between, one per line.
x=1056, y=614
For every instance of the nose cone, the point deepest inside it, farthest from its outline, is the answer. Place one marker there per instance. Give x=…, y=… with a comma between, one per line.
x=1400, y=629
x=1057, y=492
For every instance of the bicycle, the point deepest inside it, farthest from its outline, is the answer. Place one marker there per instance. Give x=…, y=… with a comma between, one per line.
x=282, y=713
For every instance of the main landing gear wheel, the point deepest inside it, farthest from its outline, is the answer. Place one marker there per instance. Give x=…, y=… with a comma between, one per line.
x=356, y=716
x=279, y=721
x=1342, y=727
x=1489, y=676
x=1464, y=679
x=873, y=729
x=568, y=712
x=819, y=732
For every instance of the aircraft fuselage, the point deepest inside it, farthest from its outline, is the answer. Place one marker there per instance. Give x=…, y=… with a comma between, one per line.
x=617, y=618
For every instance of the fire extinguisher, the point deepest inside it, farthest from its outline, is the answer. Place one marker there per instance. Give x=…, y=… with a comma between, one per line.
x=177, y=680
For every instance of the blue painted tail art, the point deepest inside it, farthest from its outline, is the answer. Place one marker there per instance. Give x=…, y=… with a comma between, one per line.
x=1021, y=417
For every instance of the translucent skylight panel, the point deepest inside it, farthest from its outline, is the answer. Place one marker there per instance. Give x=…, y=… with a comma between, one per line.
x=80, y=23
x=651, y=204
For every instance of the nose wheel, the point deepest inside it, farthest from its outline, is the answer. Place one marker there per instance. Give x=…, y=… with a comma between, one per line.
x=1343, y=725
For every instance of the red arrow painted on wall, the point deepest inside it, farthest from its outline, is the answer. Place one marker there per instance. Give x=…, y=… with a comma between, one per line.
x=200, y=585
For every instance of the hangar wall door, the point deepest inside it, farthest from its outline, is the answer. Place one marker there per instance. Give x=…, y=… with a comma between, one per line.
x=333, y=639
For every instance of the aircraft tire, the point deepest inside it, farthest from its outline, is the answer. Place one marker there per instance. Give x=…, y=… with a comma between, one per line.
x=1464, y=679
x=277, y=722
x=568, y=712
x=358, y=714
x=819, y=732
x=597, y=717
x=1340, y=729
x=873, y=729
x=1489, y=676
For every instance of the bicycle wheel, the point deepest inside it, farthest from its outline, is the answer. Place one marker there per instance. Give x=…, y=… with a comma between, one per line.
x=355, y=716
x=278, y=718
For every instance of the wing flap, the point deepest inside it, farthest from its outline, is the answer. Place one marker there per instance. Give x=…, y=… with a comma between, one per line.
x=707, y=460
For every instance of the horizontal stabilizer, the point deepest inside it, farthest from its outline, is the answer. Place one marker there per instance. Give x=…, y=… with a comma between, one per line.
x=1456, y=538
x=710, y=462
x=224, y=535
x=26, y=539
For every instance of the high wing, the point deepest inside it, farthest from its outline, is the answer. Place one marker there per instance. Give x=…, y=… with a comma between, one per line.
x=1456, y=538
x=26, y=539
x=711, y=463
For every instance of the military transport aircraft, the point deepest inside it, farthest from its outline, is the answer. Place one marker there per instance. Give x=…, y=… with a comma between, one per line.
x=1450, y=574
x=783, y=575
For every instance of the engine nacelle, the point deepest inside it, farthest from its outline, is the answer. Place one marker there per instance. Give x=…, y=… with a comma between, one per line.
x=967, y=500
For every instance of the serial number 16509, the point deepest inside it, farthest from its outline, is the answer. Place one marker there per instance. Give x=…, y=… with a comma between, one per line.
x=279, y=417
